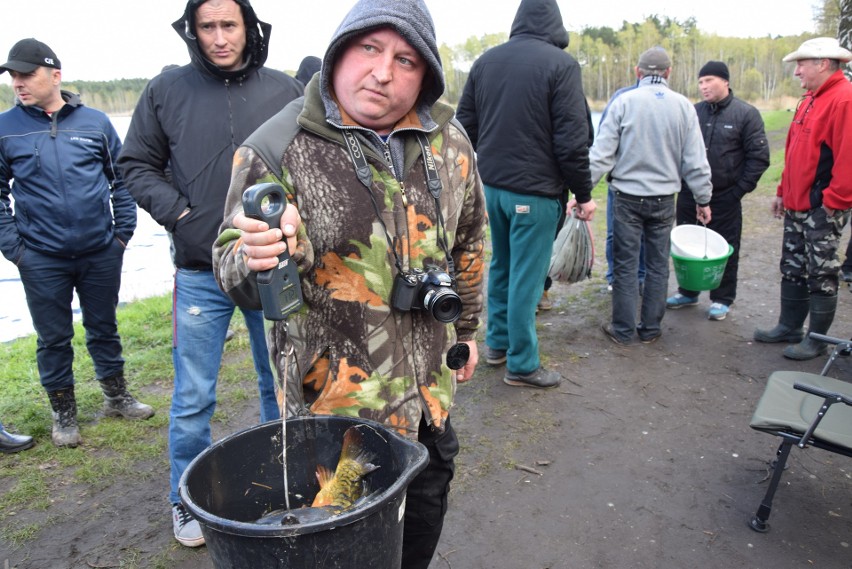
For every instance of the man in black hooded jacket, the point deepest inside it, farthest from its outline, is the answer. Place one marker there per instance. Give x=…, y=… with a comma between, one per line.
x=190, y=120
x=525, y=112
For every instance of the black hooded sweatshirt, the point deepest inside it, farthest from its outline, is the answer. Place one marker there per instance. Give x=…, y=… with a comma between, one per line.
x=524, y=109
x=191, y=120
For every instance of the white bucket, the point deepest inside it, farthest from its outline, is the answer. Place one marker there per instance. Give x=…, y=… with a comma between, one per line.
x=698, y=242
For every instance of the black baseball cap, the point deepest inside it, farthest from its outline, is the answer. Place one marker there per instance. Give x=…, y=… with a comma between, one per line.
x=28, y=55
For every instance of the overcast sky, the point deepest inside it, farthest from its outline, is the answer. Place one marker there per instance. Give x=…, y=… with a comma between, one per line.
x=110, y=39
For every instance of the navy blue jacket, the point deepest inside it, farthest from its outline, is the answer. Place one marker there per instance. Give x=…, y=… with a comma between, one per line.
x=525, y=112
x=65, y=177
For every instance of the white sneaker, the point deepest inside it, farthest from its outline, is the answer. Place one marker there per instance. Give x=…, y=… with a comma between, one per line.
x=187, y=530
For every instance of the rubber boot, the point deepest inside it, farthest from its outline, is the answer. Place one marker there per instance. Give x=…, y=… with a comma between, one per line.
x=118, y=402
x=794, y=309
x=65, y=431
x=822, y=315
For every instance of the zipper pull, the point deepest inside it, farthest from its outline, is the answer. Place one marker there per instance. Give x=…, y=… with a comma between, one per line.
x=389, y=160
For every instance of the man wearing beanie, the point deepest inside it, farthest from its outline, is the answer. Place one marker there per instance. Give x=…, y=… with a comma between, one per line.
x=814, y=197
x=381, y=183
x=738, y=155
x=72, y=220
x=648, y=142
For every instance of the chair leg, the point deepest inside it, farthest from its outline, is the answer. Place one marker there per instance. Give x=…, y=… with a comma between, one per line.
x=759, y=522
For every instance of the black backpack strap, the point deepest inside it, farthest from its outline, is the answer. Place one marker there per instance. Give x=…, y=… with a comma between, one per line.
x=275, y=135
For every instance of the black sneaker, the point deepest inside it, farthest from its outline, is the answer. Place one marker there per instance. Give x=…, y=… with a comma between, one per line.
x=609, y=332
x=540, y=378
x=494, y=357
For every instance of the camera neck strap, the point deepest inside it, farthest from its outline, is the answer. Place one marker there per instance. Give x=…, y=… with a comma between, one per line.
x=433, y=184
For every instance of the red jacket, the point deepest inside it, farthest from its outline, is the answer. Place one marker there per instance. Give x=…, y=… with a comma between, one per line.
x=818, y=156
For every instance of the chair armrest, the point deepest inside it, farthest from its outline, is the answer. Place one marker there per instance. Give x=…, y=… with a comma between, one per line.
x=830, y=398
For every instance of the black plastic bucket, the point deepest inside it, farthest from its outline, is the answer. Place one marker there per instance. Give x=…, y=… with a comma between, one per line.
x=238, y=480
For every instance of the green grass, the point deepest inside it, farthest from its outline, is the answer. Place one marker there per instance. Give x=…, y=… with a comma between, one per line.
x=111, y=447
x=776, y=125
x=776, y=120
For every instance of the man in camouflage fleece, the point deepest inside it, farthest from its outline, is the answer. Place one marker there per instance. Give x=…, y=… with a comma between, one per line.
x=374, y=101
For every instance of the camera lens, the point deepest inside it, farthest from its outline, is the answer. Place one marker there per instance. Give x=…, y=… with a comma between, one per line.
x=444, y=304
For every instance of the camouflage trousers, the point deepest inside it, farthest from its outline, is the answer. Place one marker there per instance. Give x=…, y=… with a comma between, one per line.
x=809, y=251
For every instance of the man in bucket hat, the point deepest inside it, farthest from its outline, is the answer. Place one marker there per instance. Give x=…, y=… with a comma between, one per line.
x=72, y=220
x=814, y=197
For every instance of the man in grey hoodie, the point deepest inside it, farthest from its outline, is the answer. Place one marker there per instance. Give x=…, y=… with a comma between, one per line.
x=385, y=183
x=648, y=142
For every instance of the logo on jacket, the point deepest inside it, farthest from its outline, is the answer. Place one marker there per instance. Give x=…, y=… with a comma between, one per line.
x=522, y=208
x=660, y=94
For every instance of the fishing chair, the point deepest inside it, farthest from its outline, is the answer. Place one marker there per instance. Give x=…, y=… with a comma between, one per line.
x=797, y=407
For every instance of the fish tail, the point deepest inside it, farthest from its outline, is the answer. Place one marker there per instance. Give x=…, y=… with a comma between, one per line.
x=353, y=449
x=353, y=442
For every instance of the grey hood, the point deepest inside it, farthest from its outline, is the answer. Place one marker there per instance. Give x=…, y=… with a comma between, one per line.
x=412, y=20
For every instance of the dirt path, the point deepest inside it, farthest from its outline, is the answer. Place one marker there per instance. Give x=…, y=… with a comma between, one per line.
x=644, y=457
x=645, y=453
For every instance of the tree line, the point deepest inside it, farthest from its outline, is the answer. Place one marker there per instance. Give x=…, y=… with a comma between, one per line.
x=118, y=96
x=607, y=57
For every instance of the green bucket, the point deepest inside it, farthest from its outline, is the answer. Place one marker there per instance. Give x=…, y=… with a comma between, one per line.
x=700, y=274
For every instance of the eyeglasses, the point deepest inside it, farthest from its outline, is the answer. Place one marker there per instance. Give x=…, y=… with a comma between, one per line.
x=799, y=119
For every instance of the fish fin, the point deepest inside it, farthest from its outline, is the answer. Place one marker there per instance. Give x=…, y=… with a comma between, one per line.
x=324, y=496
x=324, y=476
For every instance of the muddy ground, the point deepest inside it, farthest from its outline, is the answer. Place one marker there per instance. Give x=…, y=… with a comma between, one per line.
x=643, y=458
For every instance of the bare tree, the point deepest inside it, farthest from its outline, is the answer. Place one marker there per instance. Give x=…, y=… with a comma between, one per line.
x=844, y=31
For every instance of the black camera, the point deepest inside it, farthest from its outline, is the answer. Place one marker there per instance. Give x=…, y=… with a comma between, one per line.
x=432, y=290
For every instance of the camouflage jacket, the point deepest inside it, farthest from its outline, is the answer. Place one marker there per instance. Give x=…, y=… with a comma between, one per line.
x=354, y=354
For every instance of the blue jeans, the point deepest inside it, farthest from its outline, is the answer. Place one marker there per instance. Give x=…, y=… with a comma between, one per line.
x=637, y=218
x=201, y=315
x=521, y=245
x=49, y=283
x=608, y=247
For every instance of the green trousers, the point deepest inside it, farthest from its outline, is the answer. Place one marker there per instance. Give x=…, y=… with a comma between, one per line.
x=522, y=228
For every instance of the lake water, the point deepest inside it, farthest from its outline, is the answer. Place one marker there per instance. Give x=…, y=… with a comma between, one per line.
x=147, y=270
